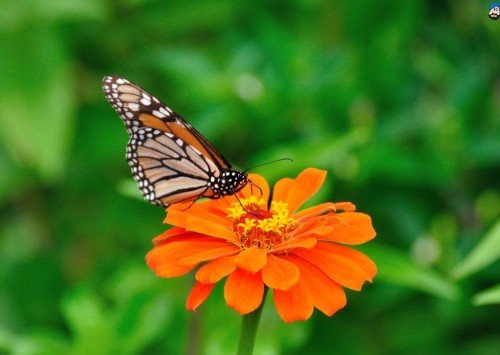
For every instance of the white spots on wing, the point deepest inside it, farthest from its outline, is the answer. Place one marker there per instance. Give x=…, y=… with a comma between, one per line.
x=180, y=142
x=164, y=111
x=145, y=102
x=133, y=107
x=120, y=81
x=158, y=114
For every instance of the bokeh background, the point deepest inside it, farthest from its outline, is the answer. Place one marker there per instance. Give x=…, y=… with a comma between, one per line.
x=399, y=101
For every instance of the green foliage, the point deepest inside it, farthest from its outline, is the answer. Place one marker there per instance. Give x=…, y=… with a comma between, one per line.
x=486, y=252
x=399, y=101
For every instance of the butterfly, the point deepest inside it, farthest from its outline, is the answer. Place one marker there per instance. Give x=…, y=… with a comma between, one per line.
x=170, y=160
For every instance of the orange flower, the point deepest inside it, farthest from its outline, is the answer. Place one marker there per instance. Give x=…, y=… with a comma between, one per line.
x=257, y=243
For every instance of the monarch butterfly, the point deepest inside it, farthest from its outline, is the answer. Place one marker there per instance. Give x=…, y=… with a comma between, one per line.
x=170, y=160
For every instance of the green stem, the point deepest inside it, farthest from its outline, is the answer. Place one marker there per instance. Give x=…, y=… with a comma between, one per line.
x=249, y=324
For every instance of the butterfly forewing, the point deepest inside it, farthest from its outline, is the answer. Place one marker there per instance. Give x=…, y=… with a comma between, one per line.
x=170, y=160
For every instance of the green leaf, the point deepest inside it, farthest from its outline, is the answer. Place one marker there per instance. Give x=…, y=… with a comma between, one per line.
x=39, y=342
x=142, y=321
x=395, y=267
x=36, y=100
x=488, y=296
x=485, y=253
x=91, y=327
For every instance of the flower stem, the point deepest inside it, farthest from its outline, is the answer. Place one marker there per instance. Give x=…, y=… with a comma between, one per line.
x=249, y=324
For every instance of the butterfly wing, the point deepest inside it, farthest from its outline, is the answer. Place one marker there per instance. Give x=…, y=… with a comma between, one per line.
x=170, y=160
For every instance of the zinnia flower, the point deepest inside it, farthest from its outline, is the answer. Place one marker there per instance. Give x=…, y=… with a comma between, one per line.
x=257, y=242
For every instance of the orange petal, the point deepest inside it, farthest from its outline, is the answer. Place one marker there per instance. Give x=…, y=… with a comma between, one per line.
x=176, y=216
x=358, y=257
x=196, y=224
x=323, y=209
x=301, y=189
x=328, y=296
x=165, y=267
x=198, y=295
x=350, y=228
x=172, y=232
x=182, y=237
x=345, y=206
x=339, y=268
x=318, y=232
x=252, y=188
x=314, y=226
x=279, y=273
x=164, y=259
x=310, y=224
x=252, y=259
x=294, y=304
x=315, y=211
x=200, y=217
x=177, y=207
x=214, y=271
x=243, y=291
x=282, y=189
x=291, y=244
x=210, y=254
x=207, y=212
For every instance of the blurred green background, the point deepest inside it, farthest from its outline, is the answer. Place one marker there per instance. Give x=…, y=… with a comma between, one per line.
x=399, y=101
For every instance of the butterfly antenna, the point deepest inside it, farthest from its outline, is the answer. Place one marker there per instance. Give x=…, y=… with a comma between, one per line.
x=269, y=162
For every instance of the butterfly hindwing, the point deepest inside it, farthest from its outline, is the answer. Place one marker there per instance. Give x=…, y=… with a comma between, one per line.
x=167, y=170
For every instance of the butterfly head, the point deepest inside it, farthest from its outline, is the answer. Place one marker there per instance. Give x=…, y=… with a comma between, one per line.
x=230, y=182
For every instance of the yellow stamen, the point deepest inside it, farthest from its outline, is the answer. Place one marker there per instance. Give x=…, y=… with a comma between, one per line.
x=255, y=226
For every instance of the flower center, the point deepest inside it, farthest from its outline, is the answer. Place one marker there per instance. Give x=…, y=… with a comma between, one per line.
x=255, y=226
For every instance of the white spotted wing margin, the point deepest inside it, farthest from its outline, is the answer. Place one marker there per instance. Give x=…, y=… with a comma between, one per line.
x=170, y=160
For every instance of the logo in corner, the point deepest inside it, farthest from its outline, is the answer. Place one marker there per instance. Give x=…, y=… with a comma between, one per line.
x=494, y=13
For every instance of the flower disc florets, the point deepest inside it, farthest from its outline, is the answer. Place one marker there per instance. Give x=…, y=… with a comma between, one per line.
x=255, y=226
x=251, y=243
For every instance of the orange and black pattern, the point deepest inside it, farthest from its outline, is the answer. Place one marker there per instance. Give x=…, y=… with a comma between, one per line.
x=170, y=160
